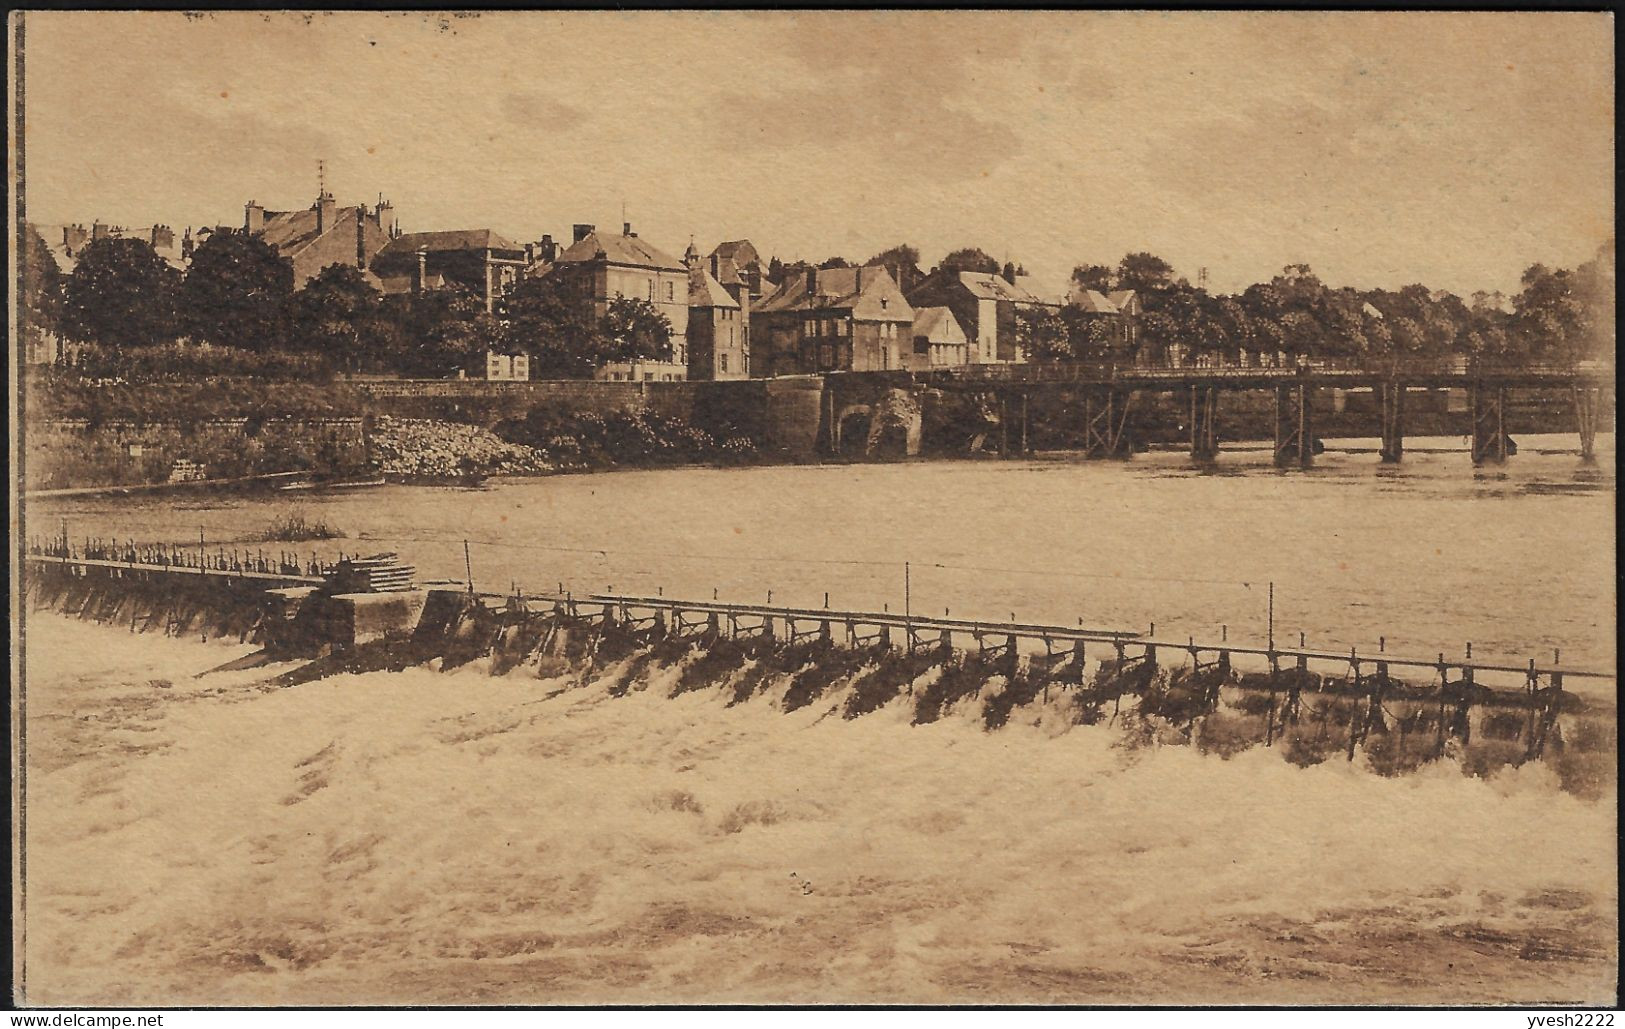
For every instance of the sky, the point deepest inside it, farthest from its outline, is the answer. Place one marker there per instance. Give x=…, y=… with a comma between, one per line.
x=1381, y=149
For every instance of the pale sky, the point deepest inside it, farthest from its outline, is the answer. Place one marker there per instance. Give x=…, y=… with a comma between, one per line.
x=1379, y=148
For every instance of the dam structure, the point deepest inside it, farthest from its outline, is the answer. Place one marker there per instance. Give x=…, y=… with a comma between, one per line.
x=370, y=613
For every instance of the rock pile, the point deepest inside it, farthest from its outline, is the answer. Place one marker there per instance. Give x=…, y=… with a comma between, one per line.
x=422, y=446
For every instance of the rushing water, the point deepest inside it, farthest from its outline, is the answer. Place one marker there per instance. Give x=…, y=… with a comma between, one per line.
x=196, y=835
x=1418, y=559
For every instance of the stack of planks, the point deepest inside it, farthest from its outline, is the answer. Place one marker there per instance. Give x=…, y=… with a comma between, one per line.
x=380, y=573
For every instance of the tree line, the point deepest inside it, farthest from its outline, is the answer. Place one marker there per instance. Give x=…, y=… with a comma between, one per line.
x=131, y=310
x=127, y=304
x=1559, y=316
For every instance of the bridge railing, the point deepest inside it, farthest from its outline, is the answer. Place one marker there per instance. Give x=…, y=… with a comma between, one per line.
x=1104, y=371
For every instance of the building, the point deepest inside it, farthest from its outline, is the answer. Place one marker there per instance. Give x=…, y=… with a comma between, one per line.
x=614, y=266
x=939, y=341
x=718, y=324
x=476, y=260
x=66, y=242
x=506, y=367
x=1120, y=309
x=738, y=267
x=985, y=305
x=831, y=319
x=324, y=234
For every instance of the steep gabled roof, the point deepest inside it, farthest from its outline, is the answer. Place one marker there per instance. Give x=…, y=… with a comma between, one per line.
x=1122, y=298
x=454, y=239
x=869, y=293
x=740, y=251
x=1092, y=300
x=938, y=325
x=705, y=291
x=619, y=249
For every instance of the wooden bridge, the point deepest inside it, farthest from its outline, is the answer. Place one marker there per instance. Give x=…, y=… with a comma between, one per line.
x=1107, y=392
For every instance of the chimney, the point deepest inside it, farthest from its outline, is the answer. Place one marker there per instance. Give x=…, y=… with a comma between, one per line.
x=423, y=270
x=550, y=250
x=253, y=218
x=582, y=232
x=626, y=228
x=326, y=210
x=163, y=237
x=187, y=245
x=387, y=219
x=1010, y=273
x=99, y=230
x=812, y=282
x=74, y=238
x=530, y=253
x=360, y=237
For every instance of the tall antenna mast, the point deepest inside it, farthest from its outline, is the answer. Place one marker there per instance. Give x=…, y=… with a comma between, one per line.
x=321, y=178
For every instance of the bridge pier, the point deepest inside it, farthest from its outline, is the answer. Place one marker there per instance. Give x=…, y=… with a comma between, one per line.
x=1204, y=417
x=1489, y=423
x=1587, y=405
x=1392, y=394
x=1295, y=424
x=1105, y=423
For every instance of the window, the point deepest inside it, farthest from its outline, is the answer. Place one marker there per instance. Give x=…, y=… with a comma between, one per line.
x=670, y=295
x=722, y=362
x=648, y=376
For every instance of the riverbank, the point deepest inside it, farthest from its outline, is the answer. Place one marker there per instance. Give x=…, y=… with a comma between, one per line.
x=205, y=840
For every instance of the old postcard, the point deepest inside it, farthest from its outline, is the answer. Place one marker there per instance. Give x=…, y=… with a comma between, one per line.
x=809, y=508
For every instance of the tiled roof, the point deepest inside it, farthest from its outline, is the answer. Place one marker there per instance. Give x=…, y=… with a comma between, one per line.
x=987, y=286
x=455, y=239
x=619, y=249
x=705, y=291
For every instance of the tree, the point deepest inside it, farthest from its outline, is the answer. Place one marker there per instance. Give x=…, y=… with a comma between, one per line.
x=39, y=310
x=433, y=333
x=635, y=330
x=337, y=312
x=903, y=262
x=970, y=259
x=237, y=292
x=550, y=317
x=121, y=294
x=835, y=262
x=1042, y=334
x=1144, y=272
x=1097, y=277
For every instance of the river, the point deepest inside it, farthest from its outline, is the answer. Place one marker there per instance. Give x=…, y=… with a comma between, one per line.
x=1414, y=559
x=197, y=835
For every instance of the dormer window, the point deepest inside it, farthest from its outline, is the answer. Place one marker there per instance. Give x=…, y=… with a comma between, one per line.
x=883, y=302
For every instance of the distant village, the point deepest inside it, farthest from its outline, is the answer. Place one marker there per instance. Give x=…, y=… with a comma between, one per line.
x=731, y=313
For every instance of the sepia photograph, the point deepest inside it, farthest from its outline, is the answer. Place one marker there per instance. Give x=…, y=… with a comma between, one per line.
x=924, y=508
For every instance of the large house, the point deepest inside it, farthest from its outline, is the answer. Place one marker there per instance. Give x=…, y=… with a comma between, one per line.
x=718, y=324
x=1120, y=309
x=475, y=260
x=622, y=265
x=832, y=319
x=324, y=234
x=67, y=242
x=985, y=305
